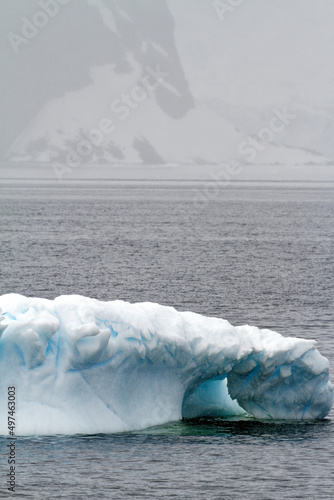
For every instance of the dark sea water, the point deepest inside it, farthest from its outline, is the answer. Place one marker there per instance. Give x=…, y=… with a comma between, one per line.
x=260, y=254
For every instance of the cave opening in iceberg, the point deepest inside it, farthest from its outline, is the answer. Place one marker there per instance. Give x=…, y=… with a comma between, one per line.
x=210, y=399
x=85, y=366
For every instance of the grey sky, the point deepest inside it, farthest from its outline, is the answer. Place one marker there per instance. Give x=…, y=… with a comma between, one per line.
x=65, y=62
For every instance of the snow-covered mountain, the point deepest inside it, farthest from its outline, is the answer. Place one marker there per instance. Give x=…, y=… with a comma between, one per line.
x=169, y=81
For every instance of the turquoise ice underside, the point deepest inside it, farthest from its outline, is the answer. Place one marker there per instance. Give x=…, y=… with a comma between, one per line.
x=84, y=366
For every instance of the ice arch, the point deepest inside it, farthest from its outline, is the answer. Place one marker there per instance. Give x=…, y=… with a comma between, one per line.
x=85, y=366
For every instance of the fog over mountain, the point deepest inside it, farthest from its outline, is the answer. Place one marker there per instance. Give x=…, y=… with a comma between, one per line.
x=183, y=82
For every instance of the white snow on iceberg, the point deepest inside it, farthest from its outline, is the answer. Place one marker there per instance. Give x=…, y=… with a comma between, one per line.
x=84, y=366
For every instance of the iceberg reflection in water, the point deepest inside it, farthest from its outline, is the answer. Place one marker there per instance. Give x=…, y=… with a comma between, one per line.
x=80, y=365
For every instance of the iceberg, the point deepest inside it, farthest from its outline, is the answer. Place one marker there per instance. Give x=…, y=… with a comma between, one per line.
x=82, y=366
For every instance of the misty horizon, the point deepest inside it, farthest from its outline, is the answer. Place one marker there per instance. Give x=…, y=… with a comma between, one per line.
x=188, y=85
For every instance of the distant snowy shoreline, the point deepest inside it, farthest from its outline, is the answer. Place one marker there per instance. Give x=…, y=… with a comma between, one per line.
x=201, y=173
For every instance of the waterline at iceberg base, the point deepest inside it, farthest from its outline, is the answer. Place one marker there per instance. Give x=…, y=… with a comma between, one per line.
x=80, y=365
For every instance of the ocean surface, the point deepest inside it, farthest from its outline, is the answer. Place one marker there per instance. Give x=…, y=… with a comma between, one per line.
x=252, y=253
